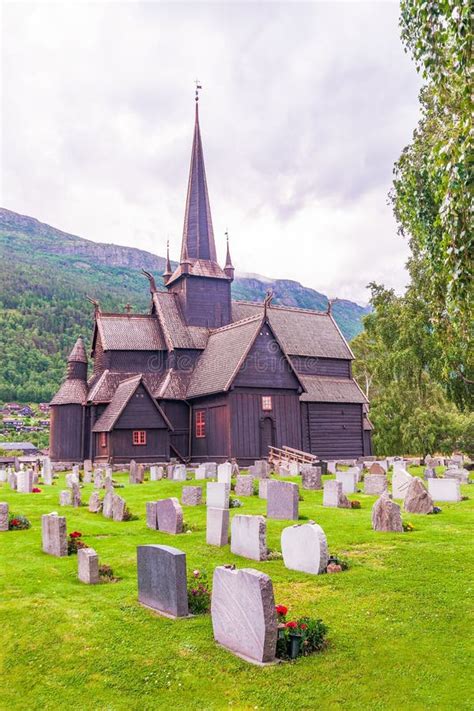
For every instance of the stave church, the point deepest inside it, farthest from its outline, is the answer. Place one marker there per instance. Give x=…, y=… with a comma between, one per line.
x=201, y=377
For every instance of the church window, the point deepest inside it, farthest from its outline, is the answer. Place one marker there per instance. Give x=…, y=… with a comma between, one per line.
x=103, y=439
x=267, y=403
x=139, y=437
x=200, y=424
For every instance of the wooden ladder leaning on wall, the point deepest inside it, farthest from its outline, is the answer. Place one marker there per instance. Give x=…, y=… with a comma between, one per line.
x=286, y=455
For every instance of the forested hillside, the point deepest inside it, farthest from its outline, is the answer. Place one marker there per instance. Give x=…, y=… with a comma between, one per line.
x=45, y=276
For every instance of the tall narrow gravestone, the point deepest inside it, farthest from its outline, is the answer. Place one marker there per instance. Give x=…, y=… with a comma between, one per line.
x=25, y=481
x=217, y=526
x=162, y=583
x=243, y=614
x=3, y=516
x=88, y=566
x=47, y=471
x=248, y=537
x=54, y=534
x=282, y=500
x=400, y=482
x=217, y=495
x=224, y=473
x=305, y=548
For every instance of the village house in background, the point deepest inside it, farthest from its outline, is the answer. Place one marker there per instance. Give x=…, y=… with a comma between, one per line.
x=203, y=377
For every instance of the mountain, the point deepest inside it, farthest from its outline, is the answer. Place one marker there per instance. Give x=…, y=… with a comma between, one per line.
x=45, y=276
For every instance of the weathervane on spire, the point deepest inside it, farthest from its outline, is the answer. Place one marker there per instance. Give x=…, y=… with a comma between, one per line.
x=198, y=88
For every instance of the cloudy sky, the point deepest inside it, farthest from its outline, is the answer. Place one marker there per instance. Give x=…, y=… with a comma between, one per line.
x=304, y=109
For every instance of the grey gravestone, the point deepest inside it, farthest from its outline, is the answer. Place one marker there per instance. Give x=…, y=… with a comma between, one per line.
x=282, y=500
x=3, y=475
x=47, y=471
x=170, y=515
x=140, y=475
x=429, y=473
x=108, y=503
x=211, y=470
x=444, y=489
x=76, y=495
x=386, y=515
x=12, y=481
x=244, y=485
x=191, y=495
x=95, y=504
x=348, y=480
x=25, y=481
x=400, y=483
x=243, y=613
x=261, y=469
x=65, y=498
x=54, y=534
x=179, y=473
x=457, y=473
x=217, y=526
x=132, y=477
x=151, y=514
x=333, y=495
x=417, y=500
x=375, y=484
x=249, y=537
x=119, y=508
x=201, y=472
x=217, y=495
x=305, y=548
x=156, y=473
x=376, y=468
x=224, y=473
x=162, y=583
x=88, y=566
x=263, y=488
x=3, y=516
x=311, y=477
x=98, y=480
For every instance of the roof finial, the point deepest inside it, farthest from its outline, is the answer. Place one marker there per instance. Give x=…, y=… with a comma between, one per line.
x=330, y=303
x=167, y=273
x=95, y=303
x=151, y=279
x=267, y=301
x=196, y=95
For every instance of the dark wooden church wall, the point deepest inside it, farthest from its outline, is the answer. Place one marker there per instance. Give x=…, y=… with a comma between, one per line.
x=216, y=444
x=66, y=439
x=265, y=365
x=205, y=301
x=332, y=430
x=367, y=443
x=156, y=448
x=178, y=414
x=337, y=367
x=137, y=361
x=247, y=421
x=140, y=413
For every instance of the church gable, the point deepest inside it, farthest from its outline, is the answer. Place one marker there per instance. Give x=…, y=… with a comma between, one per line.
x=140, y=412
x=265, y=365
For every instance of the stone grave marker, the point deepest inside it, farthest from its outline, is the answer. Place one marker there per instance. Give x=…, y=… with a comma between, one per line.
x=65, y=497
x=348, y=480
x=179, y=473
x=13, y=481
x=399, y=465
x=169, y=515
x=282, y=500
x=211, y=470
x=263, y=488
x=201, y=472
x=311, y=477
x=417, y=500
x=235, y=470
x=244, y=485
x=108, y=504
x=400, y=482
x=248, y=537
x=3, y=516
x=140, y=474
x=217, y=495
x=305, y=548
x=76, y=495
x=132, y=476
x=95, y=504
x=261, y=469
x=156, y=473
x=191, y=495
x=162, y=583
x=376, y=468
x=243, y=613
x=88, y=566
x=333, y=496
x=456, y=473
x=444, y=489
x=331, y=467
x=386, y=515
x=217, y=526
x=224, y=473
x=25, y=481
x=98, y=479
x=119, y=508
x=54, y=534
x=3, y=475
x=151, y=514
x=375, y=484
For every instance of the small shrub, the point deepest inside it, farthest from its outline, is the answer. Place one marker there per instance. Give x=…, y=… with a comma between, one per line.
x=190, y=527
x=106, y=574
x=408, y=527
x=274, y=554
x=128, y=516
x=18, y=523
x=199, y=594
x=355, y=504
x=74, y=543
x=235, y=503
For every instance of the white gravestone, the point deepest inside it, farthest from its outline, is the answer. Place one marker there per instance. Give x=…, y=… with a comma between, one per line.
x=400, y=482
x=224, y=473
x=348, y=480
x=217, y=495
x=248, y=537
x=444, y=489
x=305, y=548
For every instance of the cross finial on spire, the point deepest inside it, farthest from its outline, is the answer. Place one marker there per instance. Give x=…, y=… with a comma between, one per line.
x=198, y=88
x=128, y=308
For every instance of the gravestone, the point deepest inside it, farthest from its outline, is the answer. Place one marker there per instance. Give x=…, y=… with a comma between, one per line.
x=311, y=477
x=417, y=499
x=151, y=514
x=119, y=508
x=224, y=473
x=75, y=471
x=348, y=480
x=132, y=476
x=456, y=473
x=217, y=495
x=261, y=469
x=162, y=583
x=71, y=479
x=47, y=471
x=3, y=516
x=386, y=515
x=282, y=500
x=95, y=504
x=108, y=504
x=88, y=566
x=357, y=471
x=305, y=548
x=248, y=537
x=375, y=484
x=400, y=482
x=65, y=497
x=156, y=473
x=76, y=495
x=217, y=526
x=170, y=469
x=25, y=481
x=377, y=468
x=179, y=473
x=201, y=472
x=294, y=468
x=263, y=488
x=234, y=467
x=211, y=470
x=398, y=465
x=12, y=481
x=98, y=479
x=3, y=475
x=244, y=485
x=444, y=489
x=243, y=613
x=331, y=467
x=191, y=495
x=333, y=495
x=429, y=473
x=140, y=474
x=54, y=534
x=169, y=515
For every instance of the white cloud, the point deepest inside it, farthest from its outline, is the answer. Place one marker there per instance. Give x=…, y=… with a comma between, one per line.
x=304, y=110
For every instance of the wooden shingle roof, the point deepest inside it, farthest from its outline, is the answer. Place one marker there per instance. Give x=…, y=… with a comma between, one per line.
x=102, y=389
x=72, y=392
x=301, y=332
x=120, y=399
x=130, y=332
x=328, y=389
x=174, y=326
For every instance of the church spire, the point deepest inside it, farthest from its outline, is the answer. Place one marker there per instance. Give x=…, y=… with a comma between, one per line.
x=229, y=267
x=198, y=234
x=167, y=273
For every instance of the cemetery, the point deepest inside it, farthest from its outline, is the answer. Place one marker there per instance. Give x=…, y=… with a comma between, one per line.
x=150, y=604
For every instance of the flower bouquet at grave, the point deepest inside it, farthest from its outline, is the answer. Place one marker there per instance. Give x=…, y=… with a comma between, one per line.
x=234, y=503
x=299, y=637
x=408, y=527
x=18, y=523
x=355, y=504
x=199, y=593
x=74, y=543
x=106, y=574
x=35, y=490
x=339, y=561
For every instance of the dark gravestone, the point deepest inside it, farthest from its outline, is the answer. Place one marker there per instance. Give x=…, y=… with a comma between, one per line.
x=162, y=581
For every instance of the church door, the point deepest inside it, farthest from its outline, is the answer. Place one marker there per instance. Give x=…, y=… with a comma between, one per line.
x=266, y=436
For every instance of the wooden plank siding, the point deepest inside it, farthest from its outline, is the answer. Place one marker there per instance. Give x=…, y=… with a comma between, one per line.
x=66, y=441
x=265, y=365
x=205, y=301
x=332, y=430
x=122, y=449
x=216, y=444
x=336, y=367
x=140, y=413
x=178, y=414
x=136, y=361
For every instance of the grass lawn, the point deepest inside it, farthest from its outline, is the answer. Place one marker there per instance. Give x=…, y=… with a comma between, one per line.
x=399, y=624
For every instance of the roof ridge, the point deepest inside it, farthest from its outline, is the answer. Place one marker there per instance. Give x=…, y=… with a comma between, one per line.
x=234, y=324
x=122, y=315
x=282, y=307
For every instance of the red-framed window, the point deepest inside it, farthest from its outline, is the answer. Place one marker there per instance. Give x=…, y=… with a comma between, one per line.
x=200, y=423
x=103, y=439
x=139, y=437
x=267, y=404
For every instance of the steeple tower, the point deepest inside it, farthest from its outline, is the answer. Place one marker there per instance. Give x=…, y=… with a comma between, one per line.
x=167, y=273
x=229, y=267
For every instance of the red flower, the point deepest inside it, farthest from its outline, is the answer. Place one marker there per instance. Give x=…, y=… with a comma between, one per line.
x=75, y=534
x=36, y=490
x=303, y=626
x=281, y=610
x=291, y=625
x=15, y=522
